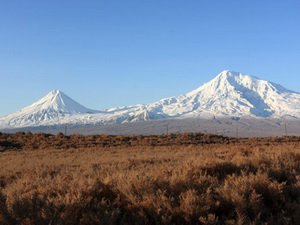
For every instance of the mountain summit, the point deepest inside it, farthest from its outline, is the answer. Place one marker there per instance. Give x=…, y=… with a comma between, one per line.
x=50, y=109
x=229, y=94
x=58, y=102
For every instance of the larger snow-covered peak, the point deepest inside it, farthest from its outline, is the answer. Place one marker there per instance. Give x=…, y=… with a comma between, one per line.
x=234, y=94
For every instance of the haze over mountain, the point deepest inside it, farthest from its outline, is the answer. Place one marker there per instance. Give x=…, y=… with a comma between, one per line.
x=230, y=94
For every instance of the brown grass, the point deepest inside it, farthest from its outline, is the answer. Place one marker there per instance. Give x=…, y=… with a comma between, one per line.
x=25, y=141
x=238, y=182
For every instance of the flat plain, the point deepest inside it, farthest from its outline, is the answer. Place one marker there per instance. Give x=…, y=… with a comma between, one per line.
x=163, y=179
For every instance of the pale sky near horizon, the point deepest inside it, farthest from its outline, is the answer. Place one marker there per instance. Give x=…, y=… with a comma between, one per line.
x=112, y=53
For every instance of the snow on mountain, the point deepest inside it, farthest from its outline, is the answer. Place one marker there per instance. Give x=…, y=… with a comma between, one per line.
x=233, y=94
x=50, y=109
x=229, y=94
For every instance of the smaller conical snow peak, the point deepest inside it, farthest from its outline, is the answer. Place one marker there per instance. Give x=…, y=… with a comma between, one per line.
x=53, y=107
x=54, y=98
x=58, y=101
x=55, y=93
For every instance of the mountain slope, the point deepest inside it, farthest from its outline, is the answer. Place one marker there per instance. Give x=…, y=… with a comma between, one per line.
x=48, y=110
x=233, y=94
x=229, y=94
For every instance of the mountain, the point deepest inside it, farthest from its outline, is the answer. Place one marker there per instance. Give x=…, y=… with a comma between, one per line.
x=233, y=94
x=229, y=95
x=52, y=108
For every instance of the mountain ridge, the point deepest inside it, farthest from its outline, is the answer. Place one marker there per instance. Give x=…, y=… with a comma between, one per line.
x=229, y=94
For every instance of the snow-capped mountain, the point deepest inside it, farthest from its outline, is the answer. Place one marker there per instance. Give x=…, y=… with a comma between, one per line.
x=52, y=108
x=229, y=94
x=233, y=94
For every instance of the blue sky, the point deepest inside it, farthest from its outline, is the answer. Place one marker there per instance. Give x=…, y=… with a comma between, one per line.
x=112, y=53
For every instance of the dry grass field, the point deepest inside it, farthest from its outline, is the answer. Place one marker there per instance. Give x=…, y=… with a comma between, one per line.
x=172, y=179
